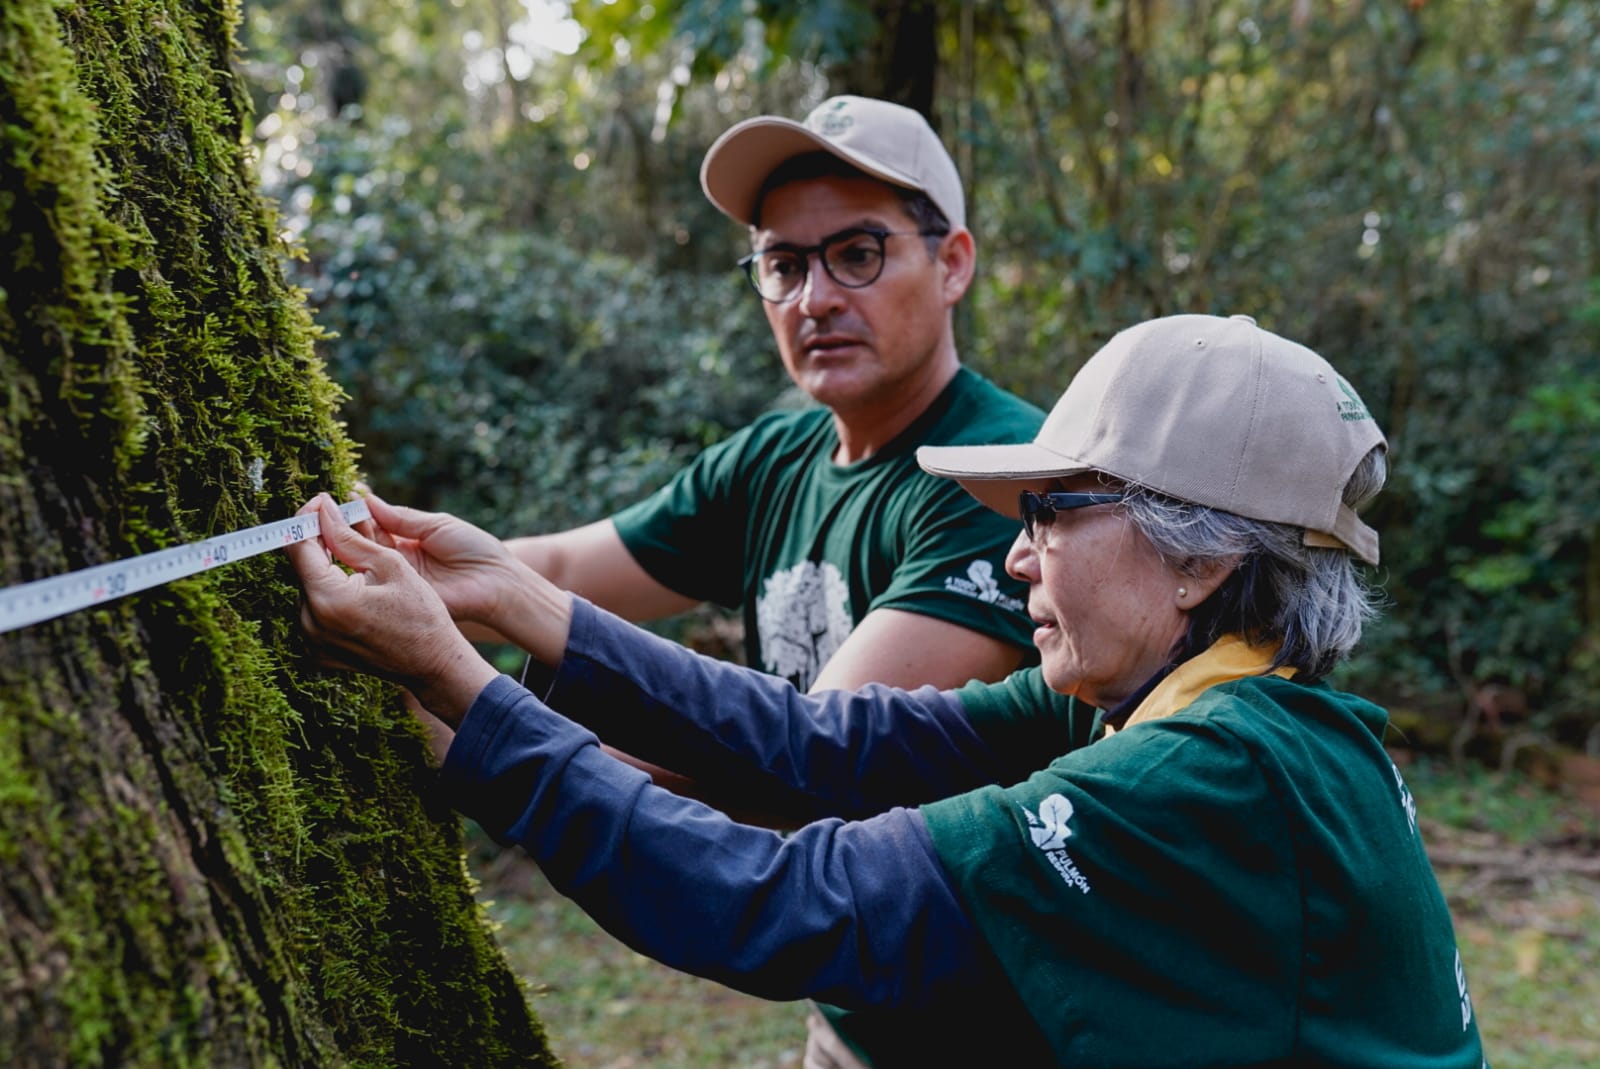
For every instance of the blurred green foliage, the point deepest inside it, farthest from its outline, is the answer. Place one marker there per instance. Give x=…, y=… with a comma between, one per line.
x=501, y=373
x=538, y=319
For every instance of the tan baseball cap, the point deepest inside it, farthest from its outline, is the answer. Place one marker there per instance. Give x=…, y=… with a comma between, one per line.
x=885, y=140
x=1213, y=411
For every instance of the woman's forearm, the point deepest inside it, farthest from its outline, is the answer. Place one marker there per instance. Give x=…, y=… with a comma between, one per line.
x=858, y=914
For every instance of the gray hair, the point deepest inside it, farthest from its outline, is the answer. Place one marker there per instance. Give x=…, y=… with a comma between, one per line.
x=1308, y=598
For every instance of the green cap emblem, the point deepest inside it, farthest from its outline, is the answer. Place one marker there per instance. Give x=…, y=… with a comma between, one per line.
x=1352, y=409
x=833, y=123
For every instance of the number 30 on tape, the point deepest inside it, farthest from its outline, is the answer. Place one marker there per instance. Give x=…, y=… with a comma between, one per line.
x=45, y=599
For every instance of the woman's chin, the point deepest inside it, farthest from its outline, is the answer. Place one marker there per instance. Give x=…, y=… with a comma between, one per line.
x=1060, y=678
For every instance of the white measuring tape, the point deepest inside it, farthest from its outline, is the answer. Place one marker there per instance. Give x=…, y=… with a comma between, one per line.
x=45, y=599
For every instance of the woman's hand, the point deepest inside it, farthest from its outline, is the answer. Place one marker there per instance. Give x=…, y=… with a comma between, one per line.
x=383, y=617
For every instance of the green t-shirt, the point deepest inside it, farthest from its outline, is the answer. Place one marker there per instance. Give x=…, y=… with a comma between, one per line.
x=1239, y=883
x=1025, y=723
x=765, y=520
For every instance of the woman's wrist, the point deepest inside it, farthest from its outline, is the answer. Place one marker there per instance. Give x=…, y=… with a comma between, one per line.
x=454, y=683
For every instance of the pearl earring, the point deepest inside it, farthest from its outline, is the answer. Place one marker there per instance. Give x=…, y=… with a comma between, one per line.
x=1183, y=592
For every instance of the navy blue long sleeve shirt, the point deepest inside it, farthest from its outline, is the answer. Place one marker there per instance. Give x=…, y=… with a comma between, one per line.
x=857, y=913
x=1238, y=880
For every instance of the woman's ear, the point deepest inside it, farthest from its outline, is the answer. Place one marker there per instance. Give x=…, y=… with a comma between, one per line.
x=1198, y=580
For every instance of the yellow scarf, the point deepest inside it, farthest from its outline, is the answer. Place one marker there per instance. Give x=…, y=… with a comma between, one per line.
x=1229, y=658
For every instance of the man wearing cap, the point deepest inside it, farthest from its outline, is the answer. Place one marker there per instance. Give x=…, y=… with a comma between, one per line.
x=851, y=564
x=1210, y=861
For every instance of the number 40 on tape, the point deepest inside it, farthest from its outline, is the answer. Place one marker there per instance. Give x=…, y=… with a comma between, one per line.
x=45, y=599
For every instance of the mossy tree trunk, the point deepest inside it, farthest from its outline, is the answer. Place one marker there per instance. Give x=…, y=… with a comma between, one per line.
x=211, y=854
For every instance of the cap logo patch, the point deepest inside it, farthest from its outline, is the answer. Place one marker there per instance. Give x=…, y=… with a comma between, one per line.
x=1352, y=409
x=833, y=123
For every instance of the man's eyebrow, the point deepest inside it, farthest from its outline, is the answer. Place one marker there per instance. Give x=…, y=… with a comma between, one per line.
x=767, y=240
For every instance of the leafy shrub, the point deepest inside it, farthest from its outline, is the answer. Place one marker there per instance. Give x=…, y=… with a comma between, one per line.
x=503, y=375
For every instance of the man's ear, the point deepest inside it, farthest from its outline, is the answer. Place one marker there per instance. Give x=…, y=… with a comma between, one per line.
x=958, y=259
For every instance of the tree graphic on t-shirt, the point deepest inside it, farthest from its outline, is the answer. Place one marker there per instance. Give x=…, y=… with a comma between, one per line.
x=802, y=618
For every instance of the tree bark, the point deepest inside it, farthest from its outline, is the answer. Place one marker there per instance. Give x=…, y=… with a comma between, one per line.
x=901, y=61
x=211, y=852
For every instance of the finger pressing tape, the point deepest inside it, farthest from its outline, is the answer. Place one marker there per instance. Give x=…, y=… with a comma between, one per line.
x=45, y=599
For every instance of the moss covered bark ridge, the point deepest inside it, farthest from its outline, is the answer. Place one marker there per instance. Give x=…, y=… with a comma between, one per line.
x=210, y=853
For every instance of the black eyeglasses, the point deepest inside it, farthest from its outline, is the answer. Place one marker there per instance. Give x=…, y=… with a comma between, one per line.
x=853, y=258
x=1039, y=510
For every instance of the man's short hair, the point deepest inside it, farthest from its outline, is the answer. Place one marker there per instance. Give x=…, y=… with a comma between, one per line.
x=812, y=165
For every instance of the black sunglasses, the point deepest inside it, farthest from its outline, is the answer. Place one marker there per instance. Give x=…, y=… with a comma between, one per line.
x=1039, y=510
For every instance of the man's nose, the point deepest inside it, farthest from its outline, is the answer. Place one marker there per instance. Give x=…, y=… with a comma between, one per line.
x=820, y=295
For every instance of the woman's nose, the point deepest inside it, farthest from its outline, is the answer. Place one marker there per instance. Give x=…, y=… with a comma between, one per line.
x=1022, y=563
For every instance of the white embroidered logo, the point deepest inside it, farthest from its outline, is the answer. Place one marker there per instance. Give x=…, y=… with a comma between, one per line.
x=802, y=618
x=980, y=583
x=1408, y=803
x=1050, y=833
x=1049, y=829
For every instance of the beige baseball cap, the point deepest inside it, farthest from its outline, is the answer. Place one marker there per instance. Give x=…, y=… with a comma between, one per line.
x=1214, y=411
x=885, y=140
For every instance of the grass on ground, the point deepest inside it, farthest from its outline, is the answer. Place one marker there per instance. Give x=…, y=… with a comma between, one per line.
x=1520, y=867
x=607, y=1007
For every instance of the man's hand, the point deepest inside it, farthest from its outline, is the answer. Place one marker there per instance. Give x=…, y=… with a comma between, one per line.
x=383, y=618
x=484, y=586
x=469, y=568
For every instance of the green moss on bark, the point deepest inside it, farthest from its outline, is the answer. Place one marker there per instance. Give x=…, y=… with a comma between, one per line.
x=212, y=853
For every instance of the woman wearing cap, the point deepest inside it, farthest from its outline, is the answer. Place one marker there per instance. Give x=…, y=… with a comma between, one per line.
x=1206, y=859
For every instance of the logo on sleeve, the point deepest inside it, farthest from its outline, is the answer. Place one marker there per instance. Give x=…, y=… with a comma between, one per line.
x=1050, y=831
x=1461, y=993
x=980, y=583
x=1407, y=803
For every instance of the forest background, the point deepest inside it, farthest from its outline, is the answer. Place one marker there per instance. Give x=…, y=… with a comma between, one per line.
x=538, y=319
x=495, y=211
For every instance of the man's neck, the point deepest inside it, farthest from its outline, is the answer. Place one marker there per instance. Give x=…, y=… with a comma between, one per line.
x=862, y=432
